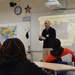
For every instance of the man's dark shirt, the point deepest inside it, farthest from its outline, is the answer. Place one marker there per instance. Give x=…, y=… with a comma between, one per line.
x=48, y=34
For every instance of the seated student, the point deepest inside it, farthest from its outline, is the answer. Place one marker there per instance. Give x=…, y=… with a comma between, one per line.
x=56, y=54
x=13, y=60
x=58, y=51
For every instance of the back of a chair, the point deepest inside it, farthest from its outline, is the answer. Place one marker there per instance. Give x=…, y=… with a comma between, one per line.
x=67, y=58
x=62, y=72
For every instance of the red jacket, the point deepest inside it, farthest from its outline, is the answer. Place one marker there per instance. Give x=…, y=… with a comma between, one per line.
x=66, y=51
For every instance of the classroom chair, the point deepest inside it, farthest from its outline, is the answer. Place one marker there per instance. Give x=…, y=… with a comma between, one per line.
x=63, y=72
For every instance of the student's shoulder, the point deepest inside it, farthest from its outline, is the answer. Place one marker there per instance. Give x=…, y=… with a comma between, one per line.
x=68, y=50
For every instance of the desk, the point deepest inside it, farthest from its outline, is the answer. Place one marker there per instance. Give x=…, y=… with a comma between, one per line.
x=55, y=67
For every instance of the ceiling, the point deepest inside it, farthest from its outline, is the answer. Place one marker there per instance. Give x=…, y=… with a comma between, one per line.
x=2, y=0
x=69, y=3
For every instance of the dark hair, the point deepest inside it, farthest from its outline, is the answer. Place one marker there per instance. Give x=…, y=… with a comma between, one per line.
x=13, y=47
x=57, y=49
x=55, y=43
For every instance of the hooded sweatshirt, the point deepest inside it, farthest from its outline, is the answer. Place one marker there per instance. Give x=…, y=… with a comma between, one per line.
x=17, y=66
x=57, y=52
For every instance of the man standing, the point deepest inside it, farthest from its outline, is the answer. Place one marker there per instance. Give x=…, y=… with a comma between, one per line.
x=47, y=34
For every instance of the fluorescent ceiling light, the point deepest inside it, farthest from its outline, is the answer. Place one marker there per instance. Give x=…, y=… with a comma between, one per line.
x=53, y=3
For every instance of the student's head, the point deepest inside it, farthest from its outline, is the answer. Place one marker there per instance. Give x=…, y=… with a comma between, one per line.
x=13, y=47
x=55, y=43
x=47, y=24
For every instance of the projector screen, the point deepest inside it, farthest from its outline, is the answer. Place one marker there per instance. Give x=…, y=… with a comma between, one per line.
x=62, y=21
x=64, y=26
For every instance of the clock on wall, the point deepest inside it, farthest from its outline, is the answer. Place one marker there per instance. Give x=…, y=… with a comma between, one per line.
x=18, y=10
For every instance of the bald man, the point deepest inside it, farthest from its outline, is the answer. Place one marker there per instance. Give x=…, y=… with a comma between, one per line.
x=47, y=34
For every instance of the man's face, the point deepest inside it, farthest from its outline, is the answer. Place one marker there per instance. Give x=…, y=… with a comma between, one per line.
x=47, y=24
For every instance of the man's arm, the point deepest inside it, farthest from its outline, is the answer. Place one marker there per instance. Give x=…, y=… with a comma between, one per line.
x=41, y=37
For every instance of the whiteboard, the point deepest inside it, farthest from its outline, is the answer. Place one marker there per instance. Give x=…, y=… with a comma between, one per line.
x=68, y=40
x=21, y=30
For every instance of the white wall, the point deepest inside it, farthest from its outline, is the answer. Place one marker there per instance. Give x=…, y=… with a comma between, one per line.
x=37, y=56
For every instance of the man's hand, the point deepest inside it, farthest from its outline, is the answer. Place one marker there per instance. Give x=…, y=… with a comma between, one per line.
x=41, y=37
